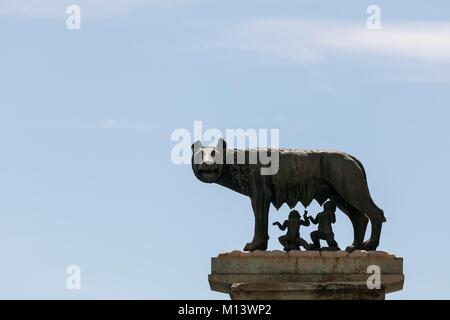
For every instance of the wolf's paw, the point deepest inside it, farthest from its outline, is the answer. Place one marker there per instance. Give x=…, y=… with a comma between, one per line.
x=252, y=246
x=370, y=245
x=354, y=247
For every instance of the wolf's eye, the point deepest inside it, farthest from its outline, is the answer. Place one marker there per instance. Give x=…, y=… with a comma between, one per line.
x=213, y=153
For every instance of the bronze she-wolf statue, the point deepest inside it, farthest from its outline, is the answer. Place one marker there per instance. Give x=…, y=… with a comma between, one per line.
x=302, y=175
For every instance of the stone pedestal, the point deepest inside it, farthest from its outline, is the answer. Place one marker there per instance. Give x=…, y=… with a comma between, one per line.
x=306, y=275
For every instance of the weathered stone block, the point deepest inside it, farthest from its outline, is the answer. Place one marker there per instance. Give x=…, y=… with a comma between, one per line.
x=304, y=262
x=300, y=270
x=334, y=254
x=305, y=291
x=303, y=254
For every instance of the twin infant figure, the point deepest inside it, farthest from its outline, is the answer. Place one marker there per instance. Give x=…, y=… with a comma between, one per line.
x=324, y=219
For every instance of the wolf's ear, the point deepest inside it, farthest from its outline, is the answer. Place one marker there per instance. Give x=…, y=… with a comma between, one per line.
x=196, y=145
x=221, y=144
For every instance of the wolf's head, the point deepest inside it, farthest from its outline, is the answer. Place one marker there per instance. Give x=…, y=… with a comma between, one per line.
x=208, y=162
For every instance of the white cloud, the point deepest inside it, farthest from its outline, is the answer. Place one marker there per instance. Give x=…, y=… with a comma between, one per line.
x=57, y=8
x=309, y=41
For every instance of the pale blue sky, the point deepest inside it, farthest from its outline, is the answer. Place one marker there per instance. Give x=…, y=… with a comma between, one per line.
x=86, y=116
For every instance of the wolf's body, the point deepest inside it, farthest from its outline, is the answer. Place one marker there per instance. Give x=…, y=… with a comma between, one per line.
x=303, y=176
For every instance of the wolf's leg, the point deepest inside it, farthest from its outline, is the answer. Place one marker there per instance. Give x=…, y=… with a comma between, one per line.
x=376, y=217
x=353, y=188
x=362, y=201
x=358, y=220
x=261, y=205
